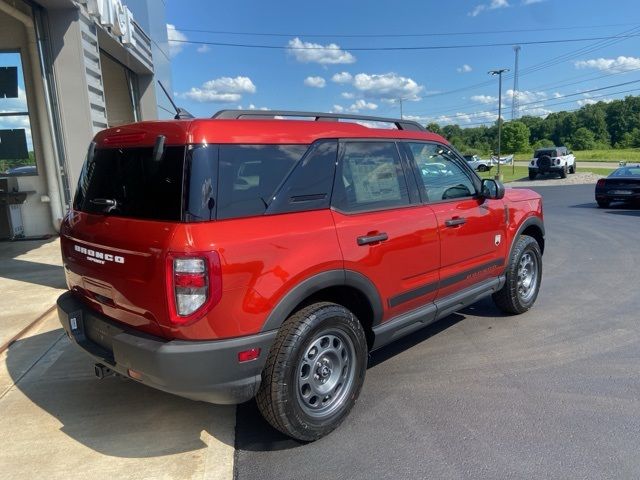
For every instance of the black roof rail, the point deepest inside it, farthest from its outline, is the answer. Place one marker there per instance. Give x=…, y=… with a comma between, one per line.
x=318, y=116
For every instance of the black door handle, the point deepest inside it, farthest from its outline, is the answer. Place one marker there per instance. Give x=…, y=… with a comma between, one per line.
x=455, y=222
x=369, y=239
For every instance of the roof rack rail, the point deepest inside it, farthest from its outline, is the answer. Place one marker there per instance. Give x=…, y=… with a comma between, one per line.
x=318, y=116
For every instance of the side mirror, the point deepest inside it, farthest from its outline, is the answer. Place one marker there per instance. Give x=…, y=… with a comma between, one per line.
x=492, y=189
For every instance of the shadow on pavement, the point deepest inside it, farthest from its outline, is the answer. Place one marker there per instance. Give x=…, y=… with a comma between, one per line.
x=253, y=433
x=114, y=416
x=33, y=272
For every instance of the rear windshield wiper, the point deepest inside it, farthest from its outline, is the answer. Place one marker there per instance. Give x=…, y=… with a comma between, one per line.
x=108, y=204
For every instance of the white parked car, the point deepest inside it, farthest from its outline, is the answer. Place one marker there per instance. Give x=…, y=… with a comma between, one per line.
x=552, y=160
x=477, y=163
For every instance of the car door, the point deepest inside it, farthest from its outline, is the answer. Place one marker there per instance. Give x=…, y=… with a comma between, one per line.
x=472, y=229
x=384, y=231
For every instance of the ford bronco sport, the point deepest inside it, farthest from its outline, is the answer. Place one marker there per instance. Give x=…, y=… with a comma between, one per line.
x=239, y=256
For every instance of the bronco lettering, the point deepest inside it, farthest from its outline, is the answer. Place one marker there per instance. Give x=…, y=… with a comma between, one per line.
x=97, y=256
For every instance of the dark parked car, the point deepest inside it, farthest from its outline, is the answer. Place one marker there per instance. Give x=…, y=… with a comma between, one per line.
x=622, y=185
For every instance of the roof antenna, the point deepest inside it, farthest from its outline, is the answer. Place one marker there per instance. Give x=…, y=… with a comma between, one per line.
x=181, y=113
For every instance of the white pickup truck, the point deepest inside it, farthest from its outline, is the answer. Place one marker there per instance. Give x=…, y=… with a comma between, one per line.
x=552, y=160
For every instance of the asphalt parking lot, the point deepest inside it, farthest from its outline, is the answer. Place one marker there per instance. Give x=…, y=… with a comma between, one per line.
x=553, y=393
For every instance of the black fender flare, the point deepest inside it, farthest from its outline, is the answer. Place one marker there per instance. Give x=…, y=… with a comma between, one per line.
x=320, y=281
x=535, y=221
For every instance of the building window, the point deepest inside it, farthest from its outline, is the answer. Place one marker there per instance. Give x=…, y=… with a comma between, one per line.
x=17, y=155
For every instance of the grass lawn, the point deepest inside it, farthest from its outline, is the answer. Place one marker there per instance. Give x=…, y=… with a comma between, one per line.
x=523, y=172
x=612, y=155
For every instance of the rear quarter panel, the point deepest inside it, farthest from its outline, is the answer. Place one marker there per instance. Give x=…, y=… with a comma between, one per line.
x=262, y=258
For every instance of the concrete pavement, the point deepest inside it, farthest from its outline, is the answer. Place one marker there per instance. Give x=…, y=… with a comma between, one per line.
x=63, y=423
x=31, y=278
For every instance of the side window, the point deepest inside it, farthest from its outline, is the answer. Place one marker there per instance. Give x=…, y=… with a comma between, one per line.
x=370, y=177
x=309, y=185
x=442, y=178
x=249, y=175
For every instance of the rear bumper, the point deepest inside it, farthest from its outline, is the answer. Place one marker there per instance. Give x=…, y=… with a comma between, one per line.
x=554, y=168
x=199, y=370
x=604, y=195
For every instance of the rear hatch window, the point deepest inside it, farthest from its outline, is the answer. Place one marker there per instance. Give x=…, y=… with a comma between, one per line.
x=128, y=182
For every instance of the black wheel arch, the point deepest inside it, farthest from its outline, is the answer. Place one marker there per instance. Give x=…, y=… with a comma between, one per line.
x=351, y=289
x=533, y=227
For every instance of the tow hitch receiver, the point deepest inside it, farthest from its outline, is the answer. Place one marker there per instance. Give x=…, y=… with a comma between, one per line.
x=101, y=371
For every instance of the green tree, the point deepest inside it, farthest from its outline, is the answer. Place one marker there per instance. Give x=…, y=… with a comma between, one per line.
x=515, y=137
x=583, y=139
x=435, y=128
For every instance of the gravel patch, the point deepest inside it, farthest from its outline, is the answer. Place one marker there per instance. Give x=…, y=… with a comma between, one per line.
x=578, y=178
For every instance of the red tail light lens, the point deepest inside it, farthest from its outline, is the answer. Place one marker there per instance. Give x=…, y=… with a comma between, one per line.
x=600, y=183
x=194, y=285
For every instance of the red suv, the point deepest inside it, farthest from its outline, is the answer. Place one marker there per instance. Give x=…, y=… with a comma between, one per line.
x=250, y=255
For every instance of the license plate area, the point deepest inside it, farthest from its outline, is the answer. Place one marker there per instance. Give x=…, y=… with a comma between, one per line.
x=620, y=192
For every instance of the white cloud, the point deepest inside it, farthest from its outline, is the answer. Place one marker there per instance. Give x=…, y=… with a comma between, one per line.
x=493, y=5
x=175, y=37
x=591, y=101
x=484, y=99
x=342, y=77
x=203, y=49
x=615, y=65
x=315, y=82
x=337, y=109
x=387, y=85
x=222, y=90
x=531, y=2
x=362, y=105
x=307, y=52
x=526, y=96
x=347, y=95
x=464, y=68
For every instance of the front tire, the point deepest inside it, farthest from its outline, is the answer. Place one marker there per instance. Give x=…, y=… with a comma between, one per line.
x=314, y=372
x=482, y=168
x=523, y=277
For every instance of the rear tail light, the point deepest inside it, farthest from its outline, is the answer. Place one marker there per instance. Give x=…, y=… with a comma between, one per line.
x=600, y=183
x=194, y=285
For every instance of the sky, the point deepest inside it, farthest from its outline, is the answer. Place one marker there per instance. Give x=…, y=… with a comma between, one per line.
x=320, y=62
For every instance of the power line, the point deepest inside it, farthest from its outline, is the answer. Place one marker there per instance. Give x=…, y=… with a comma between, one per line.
x=543, y=65
x=550, y=105
x=407, y=48
x=537, y=89
x=396, y=35
x=542, y=101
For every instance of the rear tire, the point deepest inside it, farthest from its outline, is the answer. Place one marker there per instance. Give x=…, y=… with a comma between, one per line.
x=573, y=168
x=532, y=175
x=482, y=168
x=523, y=277
x=563, y=172
x=314, y=372
x=603, y=203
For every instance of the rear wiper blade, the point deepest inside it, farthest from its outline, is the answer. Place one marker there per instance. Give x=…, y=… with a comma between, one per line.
x=107, y=203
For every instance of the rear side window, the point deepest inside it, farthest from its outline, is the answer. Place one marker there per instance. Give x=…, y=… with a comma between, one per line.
x=250, y=175
x=370, y=177
x=128, y=182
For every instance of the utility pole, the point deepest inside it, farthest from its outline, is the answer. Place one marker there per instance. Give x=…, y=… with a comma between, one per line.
x=400, y=99
x=515, y=104
x=499, y=72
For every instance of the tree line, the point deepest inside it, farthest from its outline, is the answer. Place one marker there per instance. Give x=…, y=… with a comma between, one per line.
x=600, y=125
